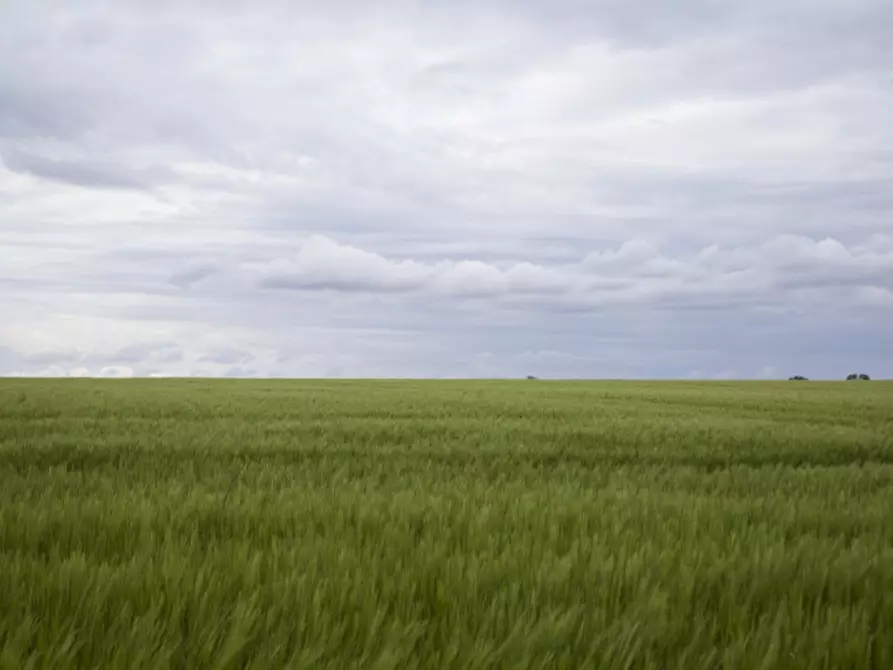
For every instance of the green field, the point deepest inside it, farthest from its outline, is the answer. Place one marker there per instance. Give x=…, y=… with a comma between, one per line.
x=304, y=524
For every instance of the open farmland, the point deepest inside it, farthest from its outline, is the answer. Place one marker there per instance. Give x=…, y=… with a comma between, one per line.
x=269, y=524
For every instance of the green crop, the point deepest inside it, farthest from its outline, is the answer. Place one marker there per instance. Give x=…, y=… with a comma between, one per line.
x=304, y=524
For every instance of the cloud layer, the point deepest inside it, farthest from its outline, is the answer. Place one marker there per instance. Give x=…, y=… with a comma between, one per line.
x=420, y=189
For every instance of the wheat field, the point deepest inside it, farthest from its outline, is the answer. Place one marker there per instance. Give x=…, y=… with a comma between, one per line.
x=445, y=524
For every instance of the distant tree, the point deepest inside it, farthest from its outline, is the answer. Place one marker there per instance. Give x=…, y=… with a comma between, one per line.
x=864, y=377
x=530, y=377
x=861, y=377
x=851, y=377
x=798, y=378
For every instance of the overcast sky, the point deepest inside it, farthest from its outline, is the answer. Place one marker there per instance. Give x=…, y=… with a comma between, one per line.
x=598, y=188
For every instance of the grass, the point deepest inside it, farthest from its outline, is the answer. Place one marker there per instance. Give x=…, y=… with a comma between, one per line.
x=274, y=524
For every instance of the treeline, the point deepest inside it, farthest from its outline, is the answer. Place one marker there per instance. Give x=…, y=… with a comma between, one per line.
x=850, y=377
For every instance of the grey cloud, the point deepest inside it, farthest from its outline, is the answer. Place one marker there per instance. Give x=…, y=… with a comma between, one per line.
x=52, y=357
x=132, y=354
x=226, y=356
x=297, y=282
x=30, y=113
x=83, y=172
x=240, y=372
x=647, y=23
x=169, y=356
x=162, y=352
x=579, y=188
x=635, y=342
x=188, y=276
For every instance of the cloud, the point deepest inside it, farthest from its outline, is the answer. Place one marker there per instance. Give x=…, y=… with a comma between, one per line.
x=52, y=371
x=57, y=371
x=68, y=358
x=323, y=264
x=447, y=189
x=116, y=371
x=226, y=356
x=779, y=271
x=192, y=274
x=82, y=172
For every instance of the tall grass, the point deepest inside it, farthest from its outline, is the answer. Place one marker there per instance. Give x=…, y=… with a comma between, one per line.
x=200, y=524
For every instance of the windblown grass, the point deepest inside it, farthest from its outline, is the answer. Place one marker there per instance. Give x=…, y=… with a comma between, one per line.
x=200, y=524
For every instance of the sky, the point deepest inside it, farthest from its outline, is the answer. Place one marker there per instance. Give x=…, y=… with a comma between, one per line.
x=565, y=189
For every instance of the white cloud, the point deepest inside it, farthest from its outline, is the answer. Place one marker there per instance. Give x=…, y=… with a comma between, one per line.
x=635, y=272
x=116, y=371
x=52, y=371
